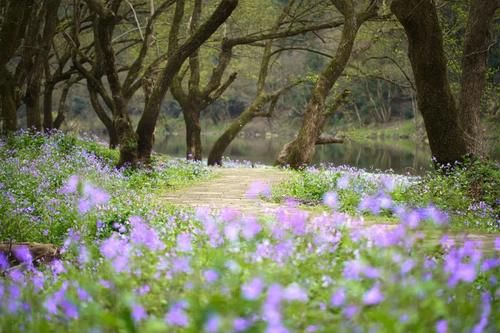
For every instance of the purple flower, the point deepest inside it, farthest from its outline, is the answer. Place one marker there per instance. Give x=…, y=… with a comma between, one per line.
x=84, y=206
x=23, y=254
x=441, y=326
x=143, y=234
x=184, y=242
x=83, y=295
x=250, y=228
x=229, y=214
x=241, y=324
x=338, y=298
x=69, y=309
x=252, y=290
x=490, y=264
x=294, y=292
x=388, y=183
x=57, y=267
x=70, y=186
x=331, y=200
x=4, y=262
x=176, y=316
x=438, y=216
x=258, y=188
x=213, y=324
x=181, y=265
x=407, y=266
x=231, y=231
x=96, y=195
x=483, y=322
x=373, y=296
x=343, y=182
x=210, y=276
x=350, y=311
x=497, y=244
x=411, y=219
x=370, y=203
x=138, y=313
x=113, y=247
x=353, y=269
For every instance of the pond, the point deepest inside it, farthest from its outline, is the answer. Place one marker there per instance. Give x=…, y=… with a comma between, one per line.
x=402, y=156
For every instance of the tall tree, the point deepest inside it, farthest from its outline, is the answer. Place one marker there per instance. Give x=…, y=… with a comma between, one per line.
x=300, y=151
x=16, y=15
x=194, y=97
x=135, y=145
x=176, y=56
x=453, y=131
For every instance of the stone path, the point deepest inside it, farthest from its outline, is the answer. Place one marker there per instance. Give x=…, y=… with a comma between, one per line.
x=229, y=189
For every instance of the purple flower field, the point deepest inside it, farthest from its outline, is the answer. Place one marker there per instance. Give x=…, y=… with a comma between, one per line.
x=131, y=264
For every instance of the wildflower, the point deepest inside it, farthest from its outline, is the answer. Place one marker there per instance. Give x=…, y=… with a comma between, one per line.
x=373, y=296
x=83, y=295
x=213, y=324
x=338, y=298
x=441, y=326
x=113, y=247
x=184, y=242
x=229, y=214
x=70, y=186
x=4, y=262
x=258, y=188
x=138, y=313
x=369, y=203
x=350, y=311
x=231, y=231
x=176, y=316
x=331, y=200
x=250, y=228
x=483, y=322
x=69, y=309
x=181, y=265
x=241, y=324
x=343, y=182
x=142, y=234
x=210, y=276
x=23, y=254
x=294, y=292
x=252, y=290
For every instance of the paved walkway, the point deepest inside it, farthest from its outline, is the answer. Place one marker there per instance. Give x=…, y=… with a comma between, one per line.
x=229, y=189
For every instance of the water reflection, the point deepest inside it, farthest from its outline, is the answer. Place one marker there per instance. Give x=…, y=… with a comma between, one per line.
x=402, y=156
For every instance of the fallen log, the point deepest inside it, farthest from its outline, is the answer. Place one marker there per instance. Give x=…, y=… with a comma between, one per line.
x=41, y=253
x=327, y=139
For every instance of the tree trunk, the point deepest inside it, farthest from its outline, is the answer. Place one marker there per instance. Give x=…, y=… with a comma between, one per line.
x=300, y=151
x=147, y=123
x=474, y=66
x=220, y=146
x=328, y=139
x=48, y=121
x=37, y=59
x=32, y=99
x=193, y=135
x=434, y=98
x=9, y=105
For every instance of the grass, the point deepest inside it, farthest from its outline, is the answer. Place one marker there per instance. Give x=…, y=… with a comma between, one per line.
x=355, y=190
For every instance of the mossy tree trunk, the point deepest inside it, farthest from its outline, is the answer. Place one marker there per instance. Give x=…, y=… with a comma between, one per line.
x=452, y=130
x=12, y=31
x=300, y=151
x=474, y=67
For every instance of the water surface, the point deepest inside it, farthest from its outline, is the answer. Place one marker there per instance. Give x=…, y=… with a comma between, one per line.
x=402, y=156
